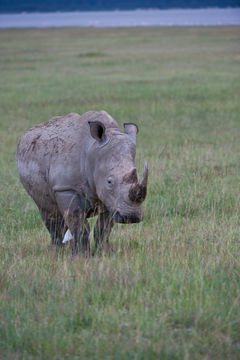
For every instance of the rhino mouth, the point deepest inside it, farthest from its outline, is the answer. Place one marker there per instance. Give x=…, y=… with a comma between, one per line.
x=126, y=218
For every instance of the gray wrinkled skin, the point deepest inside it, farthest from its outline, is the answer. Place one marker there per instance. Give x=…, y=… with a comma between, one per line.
x=75, y=167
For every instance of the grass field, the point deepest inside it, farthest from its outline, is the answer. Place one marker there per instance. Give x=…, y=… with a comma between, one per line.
x=172, y=288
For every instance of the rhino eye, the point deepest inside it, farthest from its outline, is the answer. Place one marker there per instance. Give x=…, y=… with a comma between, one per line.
x=110, y=182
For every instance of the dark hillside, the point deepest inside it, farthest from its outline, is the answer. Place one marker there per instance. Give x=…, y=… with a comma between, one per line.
x=88, y=5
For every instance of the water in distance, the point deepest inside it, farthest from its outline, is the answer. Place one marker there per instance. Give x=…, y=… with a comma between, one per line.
x=151, y=17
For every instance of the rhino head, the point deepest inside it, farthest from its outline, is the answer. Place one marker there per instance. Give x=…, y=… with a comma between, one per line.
x=115, y=177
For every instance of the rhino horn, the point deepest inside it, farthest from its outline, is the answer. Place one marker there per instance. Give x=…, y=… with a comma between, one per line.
x=138, y=192
x=143, y=182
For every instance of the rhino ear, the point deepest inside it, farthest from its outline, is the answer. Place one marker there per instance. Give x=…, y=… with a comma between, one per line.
x=131, y=130
x=97, y=130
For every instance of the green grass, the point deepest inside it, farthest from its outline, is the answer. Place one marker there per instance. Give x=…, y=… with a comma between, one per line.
x=172, y=288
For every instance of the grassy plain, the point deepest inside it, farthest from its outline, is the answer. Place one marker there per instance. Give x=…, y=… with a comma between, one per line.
x=172, y=288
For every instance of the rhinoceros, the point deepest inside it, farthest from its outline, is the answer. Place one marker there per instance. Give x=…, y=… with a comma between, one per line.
x=78, y=166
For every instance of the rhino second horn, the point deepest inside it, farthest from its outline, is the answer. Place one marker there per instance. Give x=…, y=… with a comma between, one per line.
x=138, y=192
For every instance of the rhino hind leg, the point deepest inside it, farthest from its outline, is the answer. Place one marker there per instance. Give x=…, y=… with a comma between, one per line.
x=55, y=225
x=102, y=231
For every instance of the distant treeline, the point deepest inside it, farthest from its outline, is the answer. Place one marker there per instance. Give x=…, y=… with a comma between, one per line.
x=14, y=6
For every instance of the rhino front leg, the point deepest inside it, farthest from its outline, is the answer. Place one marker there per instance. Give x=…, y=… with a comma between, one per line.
x=102, y=230
x=55, y=226
x=80, y=230
x=72, y=208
